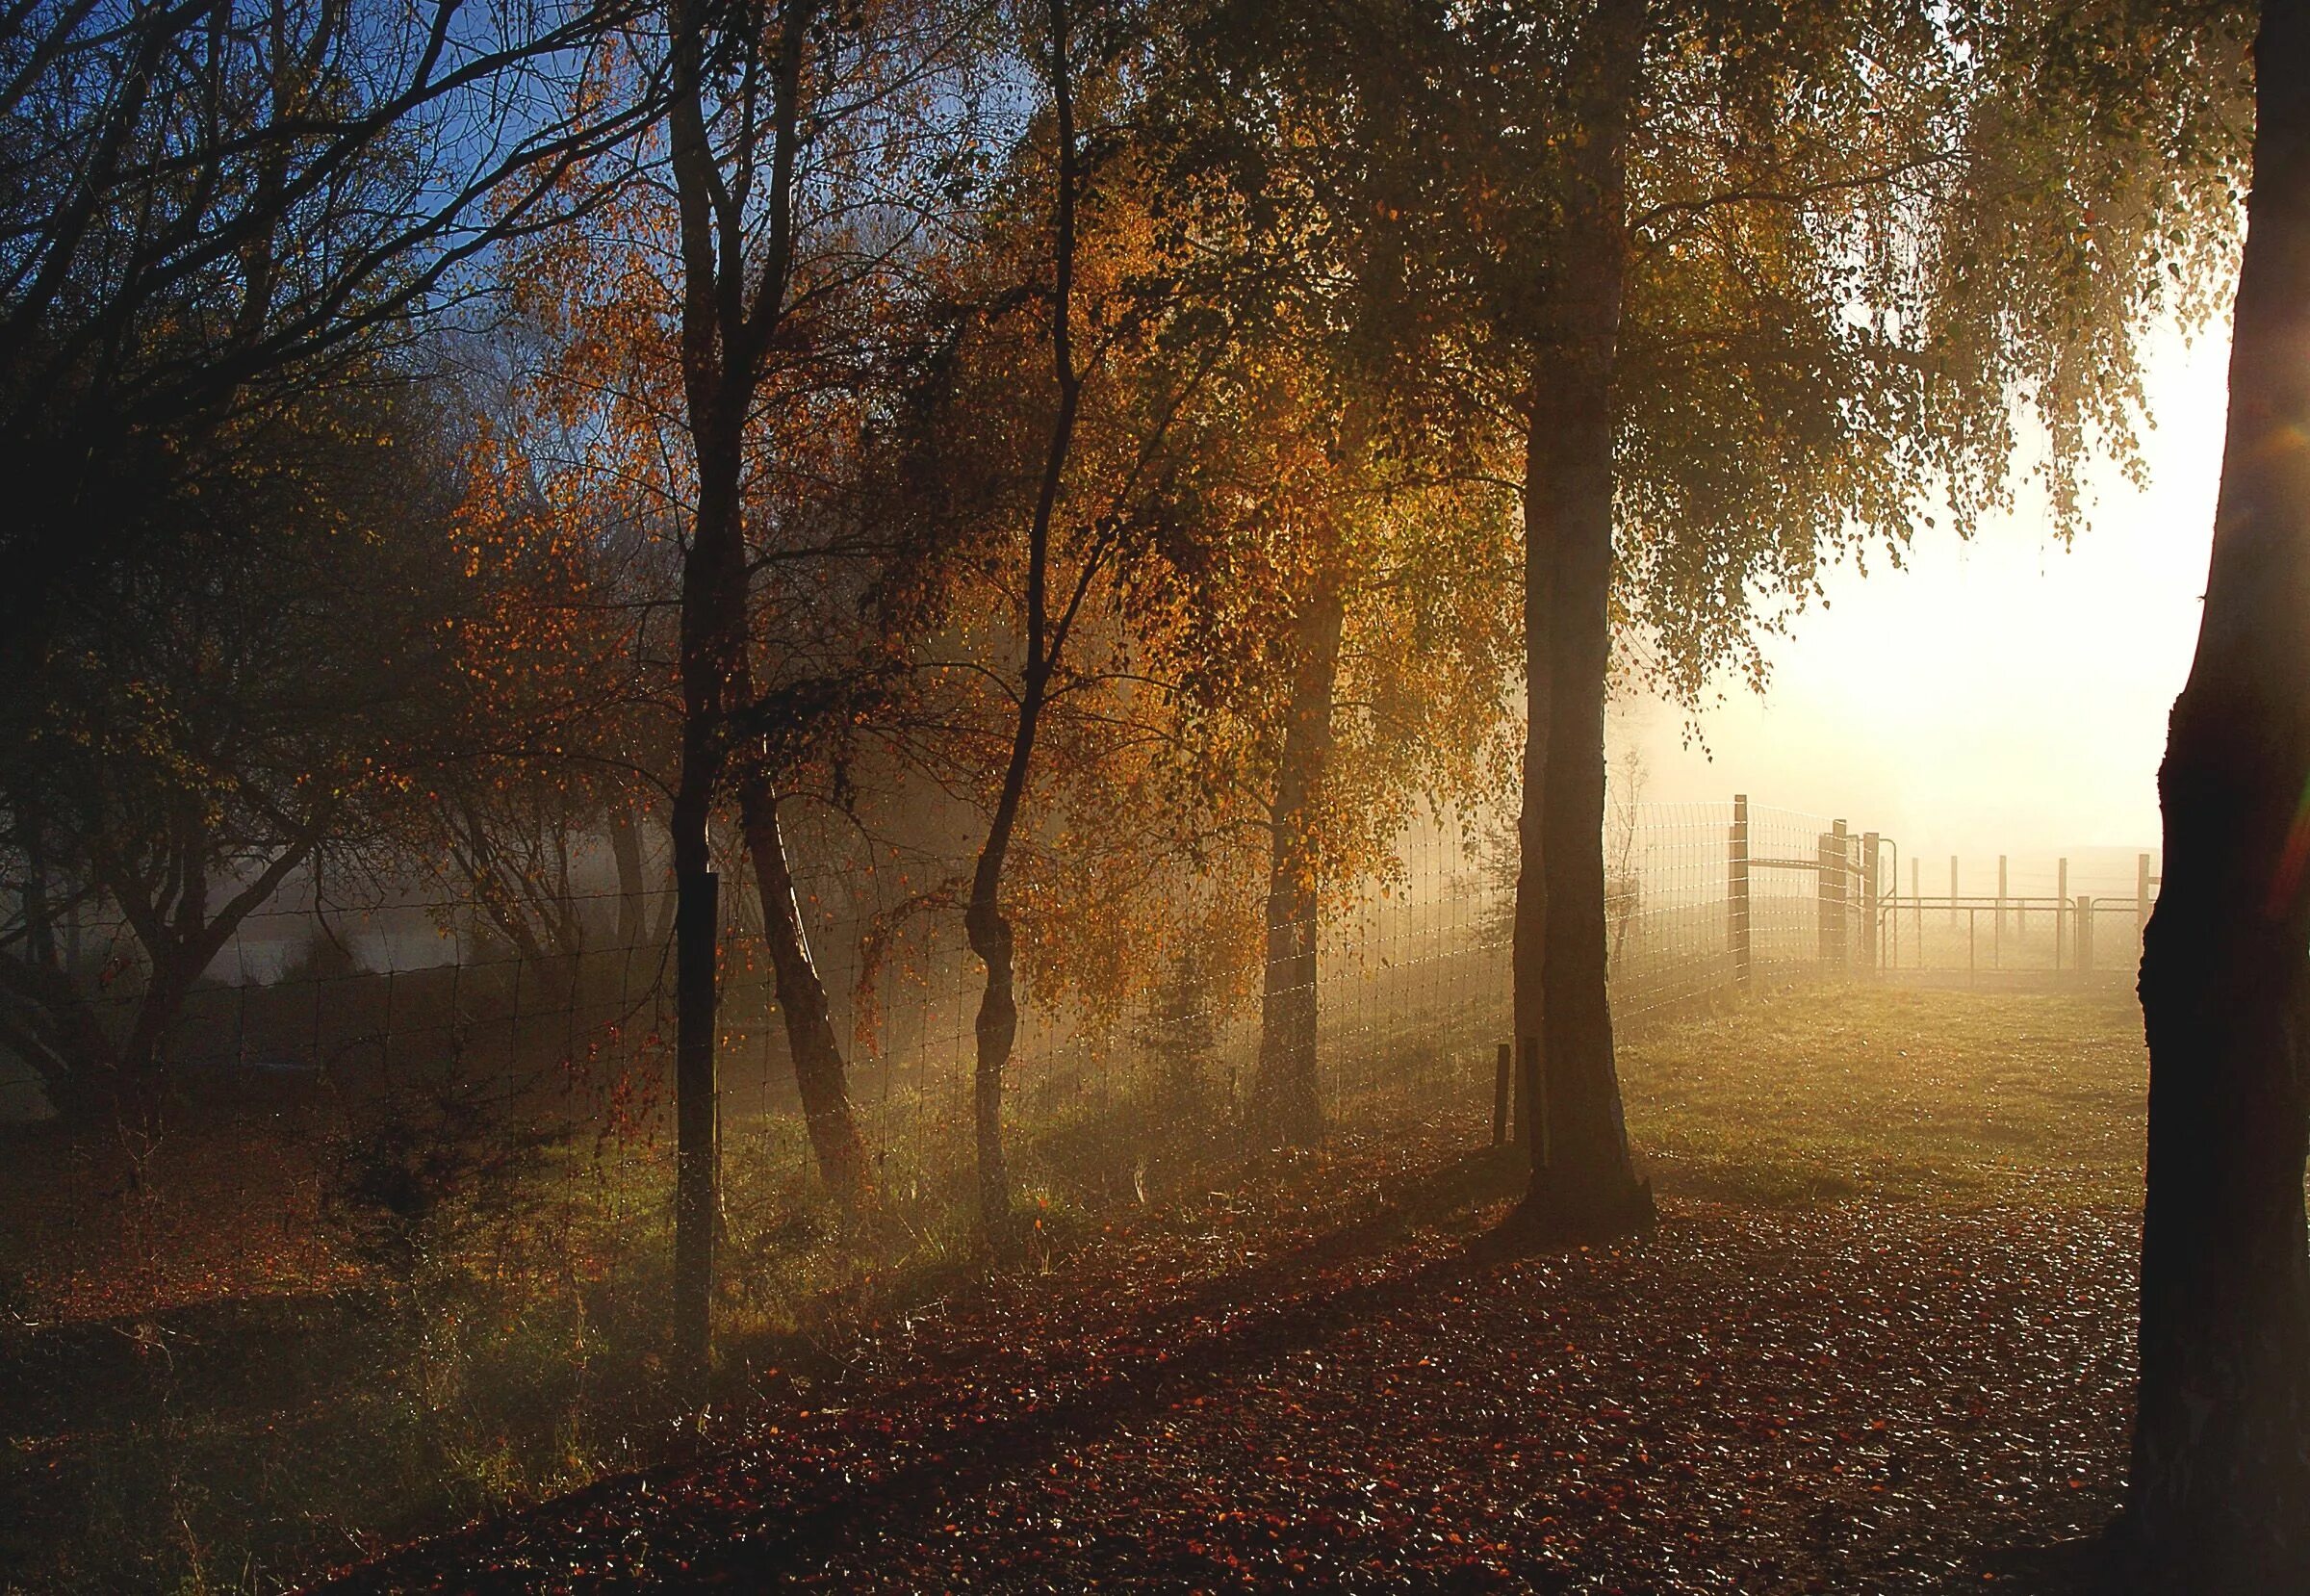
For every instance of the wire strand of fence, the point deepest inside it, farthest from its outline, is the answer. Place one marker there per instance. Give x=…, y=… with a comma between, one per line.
x=443, y=1013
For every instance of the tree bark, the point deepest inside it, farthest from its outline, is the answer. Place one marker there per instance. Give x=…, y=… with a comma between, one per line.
x=1287, y=1105
x=633, y=892
x=1583, y=1181
x=712, y=672
x=1528, y=966
x=2220, y=1495
x=820, y=1077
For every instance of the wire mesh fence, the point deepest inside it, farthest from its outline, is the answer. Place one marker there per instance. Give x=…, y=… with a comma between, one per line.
x=418, y=1151
x=377, y=1036
x=2018, y=918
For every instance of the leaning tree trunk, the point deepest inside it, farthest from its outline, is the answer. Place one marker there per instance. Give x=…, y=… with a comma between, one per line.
x=1582, y=1179
x=1287, y=1105
x=820, y=1078
x=2220, y=1495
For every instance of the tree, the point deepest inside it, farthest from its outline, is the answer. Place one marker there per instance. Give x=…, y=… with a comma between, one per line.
x=1751, y=287
x=1344, y=640
x=221, y=230
x=207, y=735
x=786, y=134
x=1345, y=573
x=1047, y=626
x=2221, y=1479
x=208, y=208
x=554, y=741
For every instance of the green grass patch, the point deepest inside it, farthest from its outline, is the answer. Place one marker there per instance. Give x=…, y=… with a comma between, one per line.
x=1961, y=1097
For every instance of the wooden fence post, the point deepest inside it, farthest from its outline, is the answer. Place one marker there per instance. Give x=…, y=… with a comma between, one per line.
x=1869, y=902
x=1736, y=896
x=1831, y=894
x=1500, y=1096
x=2060, y=912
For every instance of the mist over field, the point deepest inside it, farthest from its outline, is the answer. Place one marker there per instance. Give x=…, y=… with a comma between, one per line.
x=2006, y=694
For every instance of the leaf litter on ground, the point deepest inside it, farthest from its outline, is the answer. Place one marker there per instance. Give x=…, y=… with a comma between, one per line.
x=1868, y=1396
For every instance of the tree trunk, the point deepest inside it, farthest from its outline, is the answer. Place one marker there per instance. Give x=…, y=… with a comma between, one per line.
x=697, y=929
x=988, y=929
x=1286, y=1104
x=1583, y=1180
x=1528, y=969
x=819, y=1076
x=984, y=920
x=2220, y=1494
x=633, y=891
x=715, y=680
x=697, y=1113
x=39, y=939
x=733, y=301
x=996, y=1030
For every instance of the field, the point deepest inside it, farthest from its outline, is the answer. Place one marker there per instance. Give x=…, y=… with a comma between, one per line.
x=1880, y=1342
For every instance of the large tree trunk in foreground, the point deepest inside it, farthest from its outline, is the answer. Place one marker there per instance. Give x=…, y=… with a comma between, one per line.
x=1583, y=1180
x=1527, y=955
x=819, y=1075
x=2220, y=1497
x=1286, y=1103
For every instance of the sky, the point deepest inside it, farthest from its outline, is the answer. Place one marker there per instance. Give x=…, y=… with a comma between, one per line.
x=2003, y=695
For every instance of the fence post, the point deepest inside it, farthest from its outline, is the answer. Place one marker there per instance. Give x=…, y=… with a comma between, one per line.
x=1830, y=894
x=2140, y=896
x=1535, y=1089
x=2085, y=935
x=1499, y=1097
x=1737, y=895
x=2061, y=911
x=1869, y=902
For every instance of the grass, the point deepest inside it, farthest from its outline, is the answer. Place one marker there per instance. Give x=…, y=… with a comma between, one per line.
x=1953, y=1097
x=204, y=1393
x=233, y=1426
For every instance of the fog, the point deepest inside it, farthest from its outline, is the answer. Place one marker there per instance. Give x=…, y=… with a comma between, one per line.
x=2002, y=695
